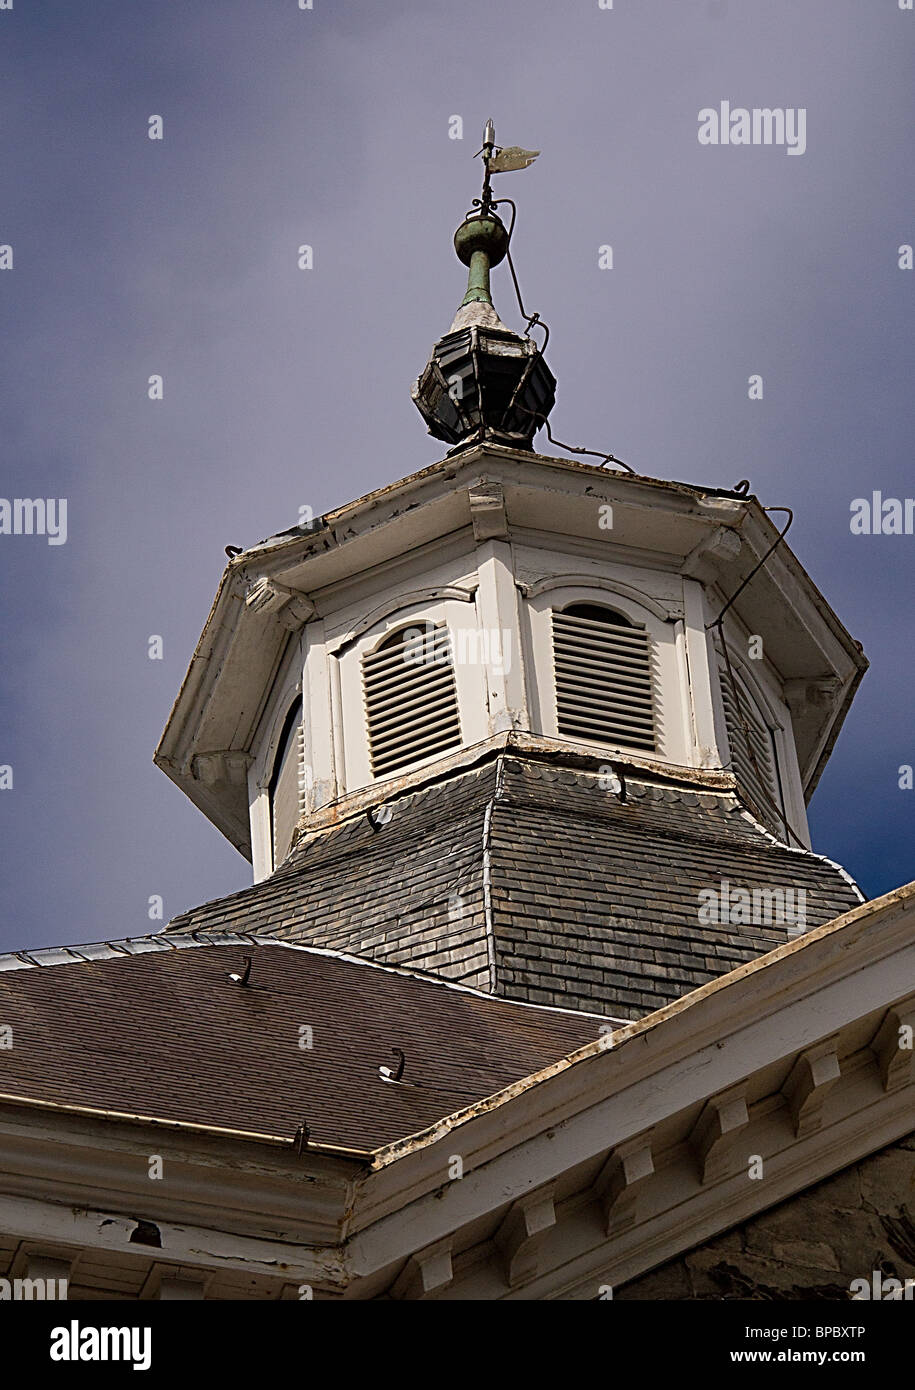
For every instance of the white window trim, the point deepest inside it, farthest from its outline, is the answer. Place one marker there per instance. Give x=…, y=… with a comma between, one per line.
x=287, y=689
x=670, y=686
x=762, y=686
x=297, y=751
x=469, y=678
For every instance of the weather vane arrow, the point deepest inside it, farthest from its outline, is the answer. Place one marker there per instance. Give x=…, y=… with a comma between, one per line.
x=503, y=161
x=500, y=161
x=511, y=158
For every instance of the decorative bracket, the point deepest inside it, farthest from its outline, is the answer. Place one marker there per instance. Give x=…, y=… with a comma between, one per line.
x=232, y=767
x=265, y=595
x=620, y=1180
x=487, y=511
x=523, y=1232
x=703, y=561
x=802, y=694
x=714, y=1135
x=427, y=1272
x=809, y=1082
x=893, y=1058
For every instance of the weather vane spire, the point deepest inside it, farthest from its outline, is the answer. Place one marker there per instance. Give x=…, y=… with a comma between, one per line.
x=484, y=381
x=481, y=241
x=499, y=161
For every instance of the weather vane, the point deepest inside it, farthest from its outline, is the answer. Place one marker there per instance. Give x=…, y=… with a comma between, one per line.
x=499, y=161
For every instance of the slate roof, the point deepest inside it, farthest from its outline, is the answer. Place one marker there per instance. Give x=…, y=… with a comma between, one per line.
x=145, y=1029
x=566, y=894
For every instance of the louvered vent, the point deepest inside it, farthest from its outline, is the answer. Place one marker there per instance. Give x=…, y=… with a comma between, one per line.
x=756, y=775
x=411, y=708
x=602, y=668
x=287, y=793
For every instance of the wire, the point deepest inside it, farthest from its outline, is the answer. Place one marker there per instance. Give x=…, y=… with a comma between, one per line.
x=534, y=320
x=777, y=542
x=530, y=319
x=608, y=458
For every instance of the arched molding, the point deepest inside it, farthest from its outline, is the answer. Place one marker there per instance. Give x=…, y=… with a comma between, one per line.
x=387, y=632
x=667, y=612
x=416, y=598
x=288, y=689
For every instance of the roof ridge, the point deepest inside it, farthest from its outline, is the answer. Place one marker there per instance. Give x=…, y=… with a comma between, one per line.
x=802, y=849
x=88, y=951
x=157, y=942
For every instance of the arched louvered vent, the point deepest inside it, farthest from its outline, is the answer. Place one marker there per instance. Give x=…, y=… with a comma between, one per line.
x=757, y=775
x=287, y=786
x=602, y=668
x=411, y=707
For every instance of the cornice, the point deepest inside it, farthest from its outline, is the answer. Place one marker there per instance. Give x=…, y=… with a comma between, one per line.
x=799, y=1008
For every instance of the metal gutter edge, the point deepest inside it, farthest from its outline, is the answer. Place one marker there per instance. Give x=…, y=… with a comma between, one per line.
x=92, y=1112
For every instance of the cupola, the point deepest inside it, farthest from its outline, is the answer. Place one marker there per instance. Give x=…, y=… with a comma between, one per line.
x=500, y=598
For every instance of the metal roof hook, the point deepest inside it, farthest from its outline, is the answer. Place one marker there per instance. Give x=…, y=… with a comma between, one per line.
x=242, y=979
x=389, y=1073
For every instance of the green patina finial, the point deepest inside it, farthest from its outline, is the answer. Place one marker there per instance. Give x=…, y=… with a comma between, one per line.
x=481, y=240
x=481, y=243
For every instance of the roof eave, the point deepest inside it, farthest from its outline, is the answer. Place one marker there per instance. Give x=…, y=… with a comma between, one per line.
x=241, y=647
x=708, y=1048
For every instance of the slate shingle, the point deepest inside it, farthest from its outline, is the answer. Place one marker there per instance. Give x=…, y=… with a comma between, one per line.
x=592, y=898
x=164, y=1035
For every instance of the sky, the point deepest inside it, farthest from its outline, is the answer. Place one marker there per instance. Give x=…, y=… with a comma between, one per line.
x=333, y=127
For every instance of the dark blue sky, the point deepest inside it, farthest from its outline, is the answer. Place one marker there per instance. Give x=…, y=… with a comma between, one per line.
x=286, y=388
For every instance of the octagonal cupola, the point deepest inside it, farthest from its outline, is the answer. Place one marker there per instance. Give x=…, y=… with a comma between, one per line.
x=504, y=599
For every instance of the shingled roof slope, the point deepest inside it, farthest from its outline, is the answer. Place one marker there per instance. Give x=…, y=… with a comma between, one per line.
x=163, y=1034
x=408, y=893
x=593, y=899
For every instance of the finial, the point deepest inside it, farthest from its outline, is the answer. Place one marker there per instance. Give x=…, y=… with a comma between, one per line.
x=484, y=381
x=481, y=240
x=481, y=243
